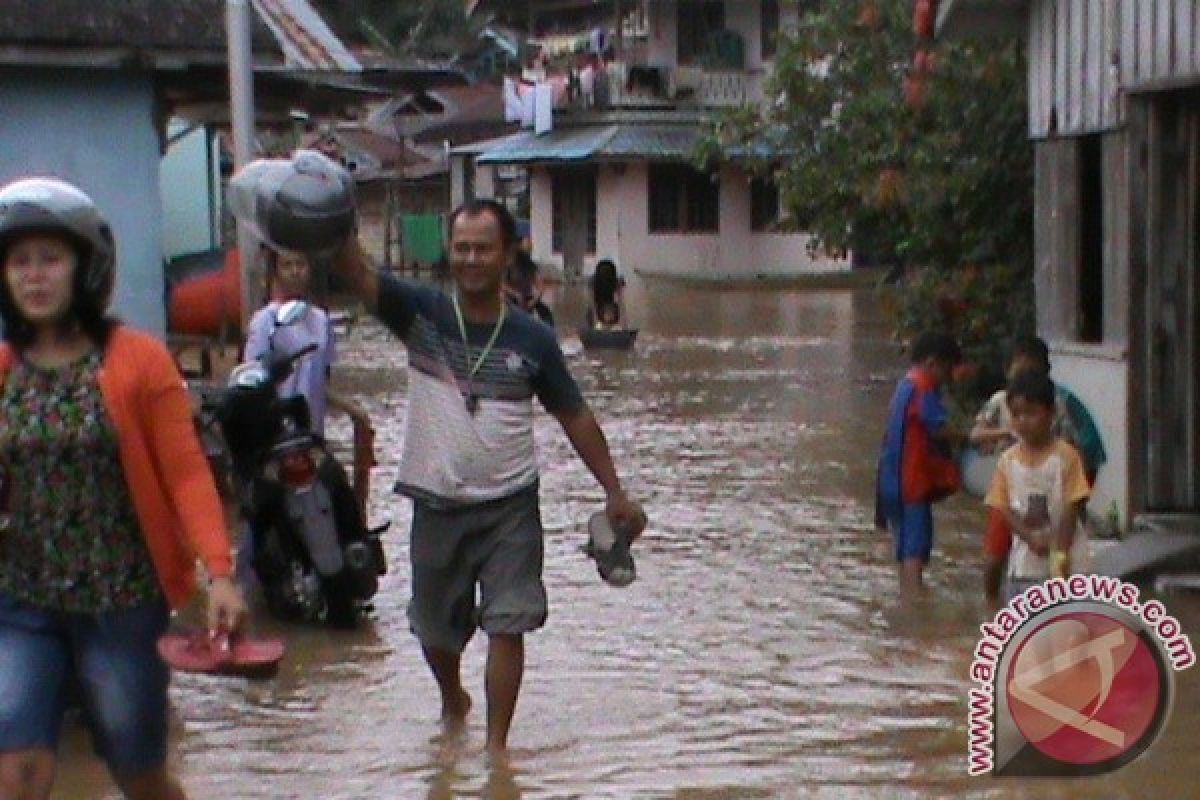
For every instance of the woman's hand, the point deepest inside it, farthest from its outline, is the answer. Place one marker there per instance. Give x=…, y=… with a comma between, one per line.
x=226, y=608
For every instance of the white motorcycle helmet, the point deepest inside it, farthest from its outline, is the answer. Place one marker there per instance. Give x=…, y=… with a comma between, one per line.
x=54, y=206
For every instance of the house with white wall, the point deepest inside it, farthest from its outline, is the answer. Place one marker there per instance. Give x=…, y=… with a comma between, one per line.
x=1114, y=116
x=614, y=177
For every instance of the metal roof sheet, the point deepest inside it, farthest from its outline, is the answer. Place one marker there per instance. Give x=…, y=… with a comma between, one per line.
x=654, y=142
x=565, y=144
x=306, y=40
x=616, y=142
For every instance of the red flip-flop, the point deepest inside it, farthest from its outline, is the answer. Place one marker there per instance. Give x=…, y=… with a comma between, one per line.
x=196, y=651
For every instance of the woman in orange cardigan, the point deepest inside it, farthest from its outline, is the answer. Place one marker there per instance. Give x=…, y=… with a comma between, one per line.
x=106, y=502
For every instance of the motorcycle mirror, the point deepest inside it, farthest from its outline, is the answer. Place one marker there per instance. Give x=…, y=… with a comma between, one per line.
x=290, y=312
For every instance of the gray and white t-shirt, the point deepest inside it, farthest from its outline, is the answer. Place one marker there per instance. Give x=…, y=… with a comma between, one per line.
x=451, y=456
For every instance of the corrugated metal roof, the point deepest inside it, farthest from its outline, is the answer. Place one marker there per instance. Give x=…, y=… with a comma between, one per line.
x=566, y=144
x=306, y=40
x=167, y=25
x=616, y=142
x=480, y=145
x=653, y=141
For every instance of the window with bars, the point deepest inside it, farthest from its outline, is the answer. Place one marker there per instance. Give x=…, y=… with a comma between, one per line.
x=683, y=200
x=764, y=205
x=696, y=24
x=769, y=27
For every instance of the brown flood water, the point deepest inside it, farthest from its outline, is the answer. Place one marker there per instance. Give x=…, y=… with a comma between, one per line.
x=761, y=652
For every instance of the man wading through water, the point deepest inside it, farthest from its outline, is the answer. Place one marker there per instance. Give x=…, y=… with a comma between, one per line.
x=475, y=364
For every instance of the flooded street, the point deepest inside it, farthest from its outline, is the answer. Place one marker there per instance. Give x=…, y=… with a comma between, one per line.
x=760, y=653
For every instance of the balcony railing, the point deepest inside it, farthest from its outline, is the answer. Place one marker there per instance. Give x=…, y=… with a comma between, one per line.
x=725, y=88
x=632, y=86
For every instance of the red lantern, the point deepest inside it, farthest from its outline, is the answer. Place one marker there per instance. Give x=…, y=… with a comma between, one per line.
x=923, y=19
x=914, y=92
x=922, y=62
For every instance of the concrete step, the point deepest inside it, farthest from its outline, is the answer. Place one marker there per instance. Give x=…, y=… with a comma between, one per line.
x=1177, y=582
x=1142, y=554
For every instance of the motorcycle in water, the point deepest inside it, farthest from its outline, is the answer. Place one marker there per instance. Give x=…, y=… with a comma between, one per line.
x=311, y=550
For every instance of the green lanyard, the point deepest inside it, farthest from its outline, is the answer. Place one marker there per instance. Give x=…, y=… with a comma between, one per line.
x=472, y=400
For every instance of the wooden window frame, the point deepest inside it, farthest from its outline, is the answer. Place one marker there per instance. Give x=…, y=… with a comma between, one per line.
x=556, y=212
x=765, y=206
x=691, y=198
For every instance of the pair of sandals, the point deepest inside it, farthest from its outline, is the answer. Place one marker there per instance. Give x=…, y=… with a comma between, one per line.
x=609, y=547
x=221, y=654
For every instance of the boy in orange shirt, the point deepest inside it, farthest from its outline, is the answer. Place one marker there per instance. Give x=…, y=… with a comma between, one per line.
x=1040, y=487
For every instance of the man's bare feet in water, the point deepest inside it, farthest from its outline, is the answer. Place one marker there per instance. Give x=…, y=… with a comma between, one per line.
x=454, y=713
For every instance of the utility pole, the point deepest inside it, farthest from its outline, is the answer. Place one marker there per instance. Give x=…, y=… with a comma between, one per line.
x=241, y=114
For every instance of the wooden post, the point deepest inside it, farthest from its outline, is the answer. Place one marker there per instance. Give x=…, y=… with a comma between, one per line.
x=388, y=210
x=618, y=33
x=238, y=21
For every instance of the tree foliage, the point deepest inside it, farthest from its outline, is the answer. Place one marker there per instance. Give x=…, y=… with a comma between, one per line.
x=912, y=151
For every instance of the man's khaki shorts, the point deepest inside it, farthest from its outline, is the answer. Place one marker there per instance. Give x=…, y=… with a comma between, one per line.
x=495, y=546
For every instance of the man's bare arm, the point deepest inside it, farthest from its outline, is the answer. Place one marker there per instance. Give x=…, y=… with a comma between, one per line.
x=589, y=442
x=353, y=264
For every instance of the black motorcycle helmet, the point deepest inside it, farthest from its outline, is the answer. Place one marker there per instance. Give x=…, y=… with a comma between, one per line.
x=52, y=206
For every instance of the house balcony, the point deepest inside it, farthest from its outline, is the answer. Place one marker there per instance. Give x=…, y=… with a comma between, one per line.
x=633, y=86
x=723, y=88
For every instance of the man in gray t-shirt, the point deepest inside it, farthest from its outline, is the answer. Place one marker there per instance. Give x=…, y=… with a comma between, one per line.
x=475, y=366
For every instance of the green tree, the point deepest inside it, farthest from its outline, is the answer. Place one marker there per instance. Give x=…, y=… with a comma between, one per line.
x=911, y=151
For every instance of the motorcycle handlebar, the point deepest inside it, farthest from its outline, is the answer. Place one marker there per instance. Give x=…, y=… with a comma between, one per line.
x=281, y=368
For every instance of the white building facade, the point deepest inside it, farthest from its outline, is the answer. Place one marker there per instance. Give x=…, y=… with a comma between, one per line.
x=615, y=178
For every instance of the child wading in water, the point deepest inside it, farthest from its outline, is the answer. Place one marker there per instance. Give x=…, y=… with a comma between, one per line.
x=915, y=468
x=993, y=432
x=1040, y=488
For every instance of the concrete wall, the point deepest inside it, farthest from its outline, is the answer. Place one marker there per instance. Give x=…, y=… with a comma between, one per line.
x=95, y=128
x=189, y=181
x=458, y=180
x=1101, y=381
x=662, y=48
x=622, y=232
x=541, y=218
x=746, y=19
x=743, y=16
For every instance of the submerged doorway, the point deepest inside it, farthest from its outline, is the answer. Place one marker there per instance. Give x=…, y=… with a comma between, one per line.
x=574, y=208
x=1168, y=358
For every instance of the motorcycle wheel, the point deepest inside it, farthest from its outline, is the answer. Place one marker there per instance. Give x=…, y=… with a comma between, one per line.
x=340, y=611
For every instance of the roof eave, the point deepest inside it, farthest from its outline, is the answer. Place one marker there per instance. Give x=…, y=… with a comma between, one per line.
x=113, y=57
x=973, y=19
